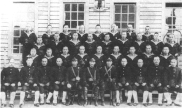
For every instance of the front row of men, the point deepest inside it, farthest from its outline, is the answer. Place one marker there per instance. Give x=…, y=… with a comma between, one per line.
x=79, y=81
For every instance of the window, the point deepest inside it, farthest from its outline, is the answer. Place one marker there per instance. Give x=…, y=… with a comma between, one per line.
x=125, y=14
x=17, y=47
x=173, y=17
x=74, y=15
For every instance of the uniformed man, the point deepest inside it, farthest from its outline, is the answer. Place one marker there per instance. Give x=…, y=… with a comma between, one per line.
x=98, y=36
x=147, y=36
x=124, y=44
x=28, y=79
x=172, y=82
x=45, y=80
x=125, y=81
x=65, y=36
x=90, y=45
x=82, y=57
x=74, y=44
x=99, y=57
x=50, y=57
x=91, y=78
x=140, y=81
x=108, y=77
x=56, y=45
x=131, y=35
x=156, y=79
x=114, y=33
x=59, y=81
x=33, y=55
x=48, y=36
x=82, y=36
x=40, y=47
x=139, y=44
x=9, y=80
x=73, y=81
x=116, y=56
x=107, y=45
x=66, y=57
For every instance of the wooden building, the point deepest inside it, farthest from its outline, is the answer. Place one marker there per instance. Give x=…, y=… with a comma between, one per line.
x=160, y=15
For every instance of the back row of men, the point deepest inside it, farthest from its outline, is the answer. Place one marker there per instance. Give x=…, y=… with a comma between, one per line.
x=108, y=41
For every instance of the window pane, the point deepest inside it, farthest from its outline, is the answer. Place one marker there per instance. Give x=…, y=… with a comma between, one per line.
x=117, y=17
x=131, y=9
x=80, y=22
x=16, y=41
x=67, y=23
x=16, y=32
x=67, y=16
x=124, y=25
x=124, y=17
x=67, y=7
x=131, y=17
x=16, y=50
x=80, y=16
x=118, y=9
x=73, y=24
x=81, y=7
x=124, y=9
x=74, y=16
x=118, y=24
x=74, y=7
x=169, y=20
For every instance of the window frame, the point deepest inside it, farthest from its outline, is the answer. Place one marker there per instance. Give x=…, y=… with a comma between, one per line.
x=120, y=22
x=64, y=14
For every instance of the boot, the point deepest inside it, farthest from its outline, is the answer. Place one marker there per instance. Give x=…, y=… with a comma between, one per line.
x=102, y=98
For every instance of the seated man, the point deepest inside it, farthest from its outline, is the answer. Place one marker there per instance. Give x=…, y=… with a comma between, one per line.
x=59, y=80
x=140, y=82
x=45, y=80
x=155, y=77
x=73, y=80
x=91, y=79
x=172, y=81
x=9, y=81
x=108, y=76
x=125, y=80
x=28, y=79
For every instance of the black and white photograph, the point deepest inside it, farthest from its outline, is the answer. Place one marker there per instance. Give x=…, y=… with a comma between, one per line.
x=91, y=53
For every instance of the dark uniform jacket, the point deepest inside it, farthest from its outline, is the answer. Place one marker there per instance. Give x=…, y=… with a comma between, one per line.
x=82, y=61
x=74, y=47
x=147, y=37
x=155, y=75
x=10, y=75
x=108, y=73
x=131, y=37
x=56, y=47
x=148, y=59
x=65, y=38
x=90, y=47
x=47, y=39
x=140, y=48
x=98, y=37
x=124, y=46
x=115, y=36
x=140, y=75
x=40, y=49
x=82, y=37
x=172, y=76
x=165, y=61
x=28, y=75
x=66, y=60
x=107, y=47
x=99, y=60
x=173, y=49
x=124, y=74
x=59, y=73
x=92, y=73
x=116, y=59
x=156, y=47
x=72, y=73
x=45, y=74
